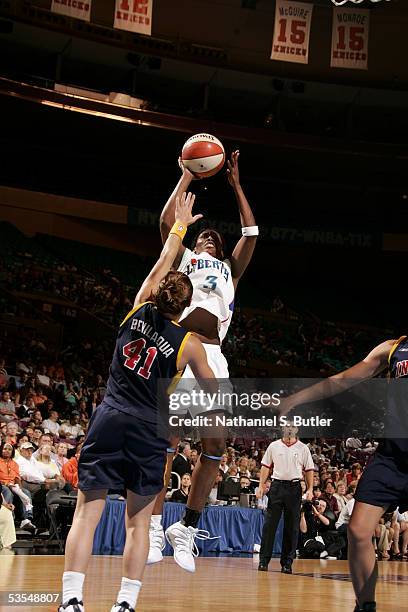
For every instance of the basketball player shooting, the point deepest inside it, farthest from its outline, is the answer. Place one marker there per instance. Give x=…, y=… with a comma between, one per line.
x=123, y=448
x=384, y=484
x=214, y=281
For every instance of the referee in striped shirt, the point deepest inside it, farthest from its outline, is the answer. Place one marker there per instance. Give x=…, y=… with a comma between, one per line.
x=289, y=458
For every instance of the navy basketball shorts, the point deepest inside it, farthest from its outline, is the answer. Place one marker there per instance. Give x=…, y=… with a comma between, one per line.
x=121, y=452
x=384, y=483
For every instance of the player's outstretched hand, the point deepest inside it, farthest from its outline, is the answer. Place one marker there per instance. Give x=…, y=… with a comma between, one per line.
x=233, y=169
x=186, y=172
x=184, y=209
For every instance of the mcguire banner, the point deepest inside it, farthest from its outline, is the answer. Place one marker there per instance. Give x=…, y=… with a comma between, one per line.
x=350, y=38
x=292, y=32
x=134, y=16
x=80, y=9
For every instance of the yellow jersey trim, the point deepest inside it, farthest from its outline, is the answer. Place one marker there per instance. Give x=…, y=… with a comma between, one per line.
x=132, y=312
x=181, y=349
x=394, y=347
x=176, y=379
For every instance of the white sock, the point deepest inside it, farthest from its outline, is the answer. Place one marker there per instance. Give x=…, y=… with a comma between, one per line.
x=156, y=520
x=129, y=591
x=72, y=585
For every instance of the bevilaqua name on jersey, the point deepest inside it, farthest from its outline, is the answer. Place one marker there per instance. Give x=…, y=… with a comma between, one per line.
x=226, y=420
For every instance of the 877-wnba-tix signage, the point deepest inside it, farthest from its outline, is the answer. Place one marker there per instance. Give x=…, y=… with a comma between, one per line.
x=350, y=38
x=292, y=32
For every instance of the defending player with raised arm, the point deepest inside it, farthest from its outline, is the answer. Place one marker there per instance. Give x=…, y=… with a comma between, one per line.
x=123, y=448
x=214, y=281
x=384, y=484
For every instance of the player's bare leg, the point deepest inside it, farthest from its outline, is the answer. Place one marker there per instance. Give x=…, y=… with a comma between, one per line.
x=138, y=512
x=156, y=531
x=78, y=550
x=181, y=535
x=361, y=553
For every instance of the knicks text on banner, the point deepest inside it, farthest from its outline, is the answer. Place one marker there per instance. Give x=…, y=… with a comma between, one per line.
x=79, y=9
x=292, y=32
x=134, y=16
x=350, y=32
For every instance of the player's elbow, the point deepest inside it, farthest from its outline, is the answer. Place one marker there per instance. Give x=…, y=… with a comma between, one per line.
x=164, y=226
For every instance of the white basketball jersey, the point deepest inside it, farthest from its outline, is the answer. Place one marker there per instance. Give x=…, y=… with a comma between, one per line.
x=213, y=289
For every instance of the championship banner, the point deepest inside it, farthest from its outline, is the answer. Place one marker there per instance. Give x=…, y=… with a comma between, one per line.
x=80, y=9
x=350, y=38
x=134, y=16
x=292, y=32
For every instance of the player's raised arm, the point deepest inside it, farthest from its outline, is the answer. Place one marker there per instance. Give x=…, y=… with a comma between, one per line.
x=375, y=362
x=168, y=213
x=184, y=218
x=244, y=249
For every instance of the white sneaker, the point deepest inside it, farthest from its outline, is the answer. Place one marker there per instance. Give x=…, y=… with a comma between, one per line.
x=157, y=544
x=182, y=539
x=122, y=607
x=73, y=605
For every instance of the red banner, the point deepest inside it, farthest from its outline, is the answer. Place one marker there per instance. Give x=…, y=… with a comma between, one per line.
x=134, y=16
x=292, y=32
x=80, y=9
x=350, y=38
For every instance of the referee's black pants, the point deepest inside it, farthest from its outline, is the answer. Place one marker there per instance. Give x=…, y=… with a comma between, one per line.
x=284, y=496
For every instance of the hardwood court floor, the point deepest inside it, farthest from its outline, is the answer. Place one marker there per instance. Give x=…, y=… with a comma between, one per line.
x=222, y=583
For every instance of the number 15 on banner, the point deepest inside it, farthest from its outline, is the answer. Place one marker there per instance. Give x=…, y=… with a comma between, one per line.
x=291, y=32
x=350, y=39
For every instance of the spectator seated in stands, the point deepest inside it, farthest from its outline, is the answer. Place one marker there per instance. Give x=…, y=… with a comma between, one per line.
x=35, y=436
x=51, y=423
x=7, y=529
x=193, y=458
x=30, y=471
x=37, y=418
x=232, y=472
x=26, y=410
x=11, y=433
x=245, y=484
x=7, y=408
x=45, y=439
x=42, y=378
x=70, y=430
x=181, y=494
x=319, y=538
x=11, y=482
x=61, y=455
x=181, y=463
x=328, y=496
x=340, y=495
x=224, y=464
x=212, y=497
x=49, y=468
x=354, y=474
x=70, y=470
x=353, y=443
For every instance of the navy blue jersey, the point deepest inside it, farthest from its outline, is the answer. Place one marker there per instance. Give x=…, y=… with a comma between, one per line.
x=395, y=443
x=148, y=348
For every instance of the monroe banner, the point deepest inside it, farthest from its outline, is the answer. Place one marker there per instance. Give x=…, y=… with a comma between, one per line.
x=350, y=38
x=292, y=32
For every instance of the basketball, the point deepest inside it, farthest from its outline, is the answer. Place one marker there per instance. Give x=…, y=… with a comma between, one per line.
x=203, y=155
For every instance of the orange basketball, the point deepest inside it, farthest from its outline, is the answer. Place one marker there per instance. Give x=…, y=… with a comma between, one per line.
x=203, y=155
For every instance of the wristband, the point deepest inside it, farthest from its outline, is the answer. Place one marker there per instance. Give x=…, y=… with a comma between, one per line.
x=179, y=229
x=252, y=230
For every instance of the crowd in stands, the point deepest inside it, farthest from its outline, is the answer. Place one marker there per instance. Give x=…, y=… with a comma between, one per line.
x=47, y=396
x=44, y=416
